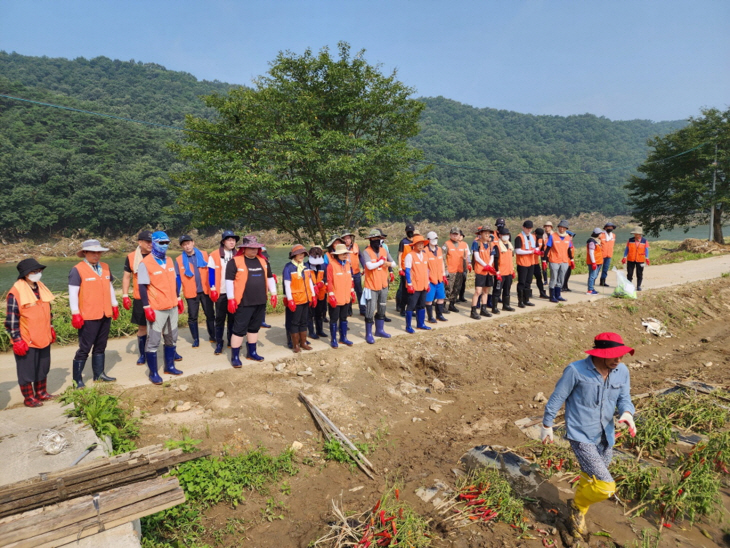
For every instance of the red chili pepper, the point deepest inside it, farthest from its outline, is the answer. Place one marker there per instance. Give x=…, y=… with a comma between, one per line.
x=397, y=494
x=385, y=534
x=382, y=517
x=686, y=474
x=400, y=513
x=553, y=510
x=680, y=491
x=667, y=525
x=560, y=465
x=395, y=531
x=391, y=518
x=377, y=505
x=549, y=463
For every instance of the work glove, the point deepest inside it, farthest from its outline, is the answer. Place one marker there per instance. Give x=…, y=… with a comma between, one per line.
x=53, y=335
x=628, y=420
x=490, y=270
x=291, y=305
x=115, y=312
x=353, y=296
x=537, y=252
x=468, y=268
x=401, y=273
x=318, y=286
x=594, y=266
x=274, y=301
x=410, y=289
x=150, y=314
x=214, y=295
x=332, y=300
x=544, y=265
x=77, y=321
x=623, y=261
x=546, y=434
x=571, y=263
x=446, y=281
x=314, y=301
x=647, y=262
x=126, y=302
x=20, y=347
x=499, y=277
x=232, y=306
x=392, y=277
x=180, y=306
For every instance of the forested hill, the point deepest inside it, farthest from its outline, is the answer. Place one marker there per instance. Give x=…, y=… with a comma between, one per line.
x=63, y=170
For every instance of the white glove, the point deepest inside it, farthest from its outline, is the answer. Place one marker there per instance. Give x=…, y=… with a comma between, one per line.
x=546, y=434
x=628, y=420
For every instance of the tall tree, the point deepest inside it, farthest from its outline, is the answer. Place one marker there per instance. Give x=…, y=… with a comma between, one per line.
x=676, y=189
x=316, y=145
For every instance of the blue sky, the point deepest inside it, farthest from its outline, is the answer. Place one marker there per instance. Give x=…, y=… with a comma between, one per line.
x=657, y=60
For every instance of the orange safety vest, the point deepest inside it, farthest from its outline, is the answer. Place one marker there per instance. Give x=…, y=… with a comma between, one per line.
x=239, y=282
x=484, y=254
x=318, y=276
x=95, y=294
x=559, y=250
x=35, y=317
x=162, y=290
x=540, y=242
x=218, y=267
x=354, y=257
x=608, y=244
x=377, y=279
x=406, y=250
x=435, y=265
x=526, y=260
x=339, y=281
x=597, y=253
x=505, y=259
x=190, y=290
x=455, y=255
x=637, y=250
x=299, y=287
x=419, y=271
x=135, y=285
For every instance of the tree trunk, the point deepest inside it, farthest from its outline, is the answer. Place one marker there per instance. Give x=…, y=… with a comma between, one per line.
x=717, y=226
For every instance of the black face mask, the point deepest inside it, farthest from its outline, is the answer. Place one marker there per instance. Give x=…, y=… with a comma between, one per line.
x=609, y=230
x=409, y=235
x=375, y=244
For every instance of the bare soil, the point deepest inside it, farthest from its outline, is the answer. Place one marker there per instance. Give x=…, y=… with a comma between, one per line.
x=382, y=395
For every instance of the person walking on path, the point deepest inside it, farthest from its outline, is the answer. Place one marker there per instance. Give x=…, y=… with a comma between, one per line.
x=319, y=312
x=248, y=278
x=527, y=251
x=404, y=248
x=217, y=264
x=416, y=270
x=636, y=255
x=159, y=287
x=131, y=266
x=340, y=293
x=436, y=278
x=608, y=240
x=592, y=389
x=349, y=240
x=540, y=267
x=93, y=304
x=456, y=254
x=300, y=296
x=28, y=321
x=594, y=259
x=560, y=258
x=484, y=272
x=193, y=267
x=376, y=262
x=504, y=265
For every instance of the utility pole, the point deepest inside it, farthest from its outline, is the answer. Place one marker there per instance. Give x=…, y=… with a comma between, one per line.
x=712, y=203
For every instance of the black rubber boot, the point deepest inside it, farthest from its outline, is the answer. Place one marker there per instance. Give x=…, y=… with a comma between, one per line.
x=474, y=314
x=452, y=307
x=429, y=309
x=97, y=368
x=520, y=299
x=505, y=303
x=78, y=368
x=310, y=327
x=440, y=312
x=485, y=312
x=526, y=297
x=195, y=334
x=319, y=322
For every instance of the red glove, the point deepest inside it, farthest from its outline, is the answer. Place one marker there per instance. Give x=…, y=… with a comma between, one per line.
x=572, y=264
x=20, y=347
x=623, y=261
x=490, y=270
x=410, y=289
x=53, y=335
x=150, y=314
x=274, y=301
x=499, y=277
x=392, y=277
x=354, y=296
x=232, y=306
x=115, y=312
x=77, y=321
x=291, y=305
x=537, y=252
x=314, y=301
x=214, y=295
x=401, y=273
x=318, y=286
x=180, y=306
x=544, y=265
x=594, y=266
x=648, y=263
x=332, y=300
x=126, y=302
x=468, y=268
x=446, y=280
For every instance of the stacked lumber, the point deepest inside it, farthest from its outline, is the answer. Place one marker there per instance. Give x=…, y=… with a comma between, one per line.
x=94, y=477
x=88, y=515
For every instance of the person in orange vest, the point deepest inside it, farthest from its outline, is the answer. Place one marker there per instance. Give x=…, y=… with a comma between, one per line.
x=484, y=271
x=594, y=259
x=456, y=254
x=300, y=296
x=248, y=278
x=528, y=253
x=340, y=293
x=217, y=263
x=404, y=248
x=131, y=265
x=468, y=267
x=28, y=321
x=548, y=228
x=540, y=268
x=319, y=312
x=349, y=239
x=192, y=264
x=391, y=275
x=636, y=255
x=159, y=287
x=93, y=304
x=608, y=239
x=504, y=265
x=376, y=262
x=417, y=284
x=437, y=279
x=560, y=258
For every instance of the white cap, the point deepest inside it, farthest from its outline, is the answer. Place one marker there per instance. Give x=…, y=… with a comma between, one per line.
x=432, y=236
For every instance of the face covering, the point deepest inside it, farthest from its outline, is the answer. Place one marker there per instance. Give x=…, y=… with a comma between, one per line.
x=434, y=242
x=609, y=230
x=316, y=260
x=375, y=244
x=159, y=249
x=35, y=277
x=505, y=238
x=409, y=235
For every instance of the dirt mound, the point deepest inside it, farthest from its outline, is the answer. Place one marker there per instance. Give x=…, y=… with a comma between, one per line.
x=693, y=245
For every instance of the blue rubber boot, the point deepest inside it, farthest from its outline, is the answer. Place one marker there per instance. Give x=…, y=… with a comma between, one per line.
x=78, y=368
x=553, y=297
x=235, y=357
x=152, y=364
x=409, y=319
x=558, y=294
x=369, y=333
x=380, y=329
x=141, y=343
x=310, y=327
x=170, y=354
x=195, y=334
x=218, y=341
x=489, y=301
x=177, y=357
x=421, y=320
x=333, y=333
x=343, y=333
x=252, y=354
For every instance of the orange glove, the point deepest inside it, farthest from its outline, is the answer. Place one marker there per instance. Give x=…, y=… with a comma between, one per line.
x=115, y=312
x=180, y=306
x=410, y=289
x=20, y=347
x=332, y=300
x=53, y=335
x=274, y=301
x=214, y=295
x=126, y=302
x=291, y=305
x=77, y=321
x=623, y=261
x=232, y=306
x=150, y=314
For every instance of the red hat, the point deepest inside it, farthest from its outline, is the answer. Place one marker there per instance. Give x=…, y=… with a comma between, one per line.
x=609, y=345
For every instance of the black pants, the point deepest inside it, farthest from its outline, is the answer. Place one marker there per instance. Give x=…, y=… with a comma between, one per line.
x=94, y=333
x=338, y=313
x=416, y=301
x=221, y=314
x=320, y=311
x=630, y=266
x=524, y=277
x=503, y=291
x=401, y=297
x=194, y=305
x=538, y=272
x=34, y=366
x=297, y=321
x=567, y=277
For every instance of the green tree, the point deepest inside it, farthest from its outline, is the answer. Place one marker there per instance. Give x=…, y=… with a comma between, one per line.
x=675, y=189
x=316, y=145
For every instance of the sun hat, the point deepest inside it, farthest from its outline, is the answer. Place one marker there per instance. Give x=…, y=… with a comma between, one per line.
x=333, y=240
x=609, y=223
x=26, y=266
x=229, y=234
x=483, y=228
x=382, y=234
x=186, y=238
x=91, y=245
x=598, y=231
x=454, y=230
x=375, y=233
x=251, y=241
x=417, y=239
x=144, y=235
x=609, y=345
x=350, y=234
x=564, y=224
x=528, y=224
x=340, y=249
x=548, y=223
x=637, y=230
x=296, y=250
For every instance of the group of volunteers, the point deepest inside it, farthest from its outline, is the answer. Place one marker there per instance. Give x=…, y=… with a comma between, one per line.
x=233, y=283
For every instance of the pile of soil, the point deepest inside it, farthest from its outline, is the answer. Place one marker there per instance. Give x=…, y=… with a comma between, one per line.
x=693, y=245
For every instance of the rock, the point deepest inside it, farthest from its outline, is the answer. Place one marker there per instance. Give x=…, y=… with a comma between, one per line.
x=184, y=407
x=280, y=367
x=707, y=364
x=220, y=394
x=705, y=339
x=435, y=407
x=322, y=363
x=540, y=398
x=171, y=405
x=305, y=373
x=437, y=384
x=184, y=388
x=309, y=368
x=296, y=446
x=416, y=419
x=496, y=391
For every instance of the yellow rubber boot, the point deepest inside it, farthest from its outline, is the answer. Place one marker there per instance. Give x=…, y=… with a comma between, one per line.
x=589, y=491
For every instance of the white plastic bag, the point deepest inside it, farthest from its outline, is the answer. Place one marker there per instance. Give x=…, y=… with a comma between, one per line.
x=624, y=288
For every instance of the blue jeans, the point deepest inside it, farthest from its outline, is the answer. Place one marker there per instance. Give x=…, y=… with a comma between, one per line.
x=592, y=275
x=606, y=268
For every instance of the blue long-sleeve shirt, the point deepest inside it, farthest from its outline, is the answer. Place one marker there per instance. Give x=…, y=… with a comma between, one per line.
x=590, y=402
x=643, y=241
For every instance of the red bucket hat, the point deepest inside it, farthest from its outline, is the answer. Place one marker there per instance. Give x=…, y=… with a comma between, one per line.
x=609, y=345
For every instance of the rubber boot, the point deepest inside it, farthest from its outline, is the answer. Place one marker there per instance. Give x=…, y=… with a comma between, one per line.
x=320, y=327
x=440, y=312
x=141, y=343
x=97, y=368
x=78, y=369
x=218, y=341
x=236, y=357
x=527, y=296
x=41, y=392
x=553, y=295
x=369, y=333
x=589, y=491
x=310, y=327
x=485, y=312
x=495, y=310
x=303, y=344
x=252, y=354
x=489, y=301
x=505, y=304
x=195, y=334
x=170, y=354
x=421, y=320
x=429, y=309
x=29, y=399
x=558, y=294
x=380, y=329
x=474, y=314
x=409, y=320
x=520, y=299
x=152, y=365
x=343, y=333
x=210, y=327
x=294, y=338
x=452, y=307
x=178, y=358
x=543, y=295
x=333, y=334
